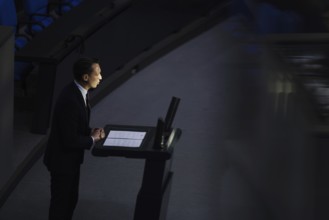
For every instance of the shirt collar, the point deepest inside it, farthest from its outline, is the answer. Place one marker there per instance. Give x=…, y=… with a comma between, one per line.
x=82, y=90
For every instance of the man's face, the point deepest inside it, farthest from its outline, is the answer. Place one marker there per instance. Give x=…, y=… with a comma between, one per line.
x=95, y=77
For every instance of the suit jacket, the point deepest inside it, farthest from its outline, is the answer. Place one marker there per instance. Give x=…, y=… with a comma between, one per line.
x=70, y=132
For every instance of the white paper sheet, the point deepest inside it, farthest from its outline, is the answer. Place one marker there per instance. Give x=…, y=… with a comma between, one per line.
x=122, y=142
x=124, y=138
x=127, y=134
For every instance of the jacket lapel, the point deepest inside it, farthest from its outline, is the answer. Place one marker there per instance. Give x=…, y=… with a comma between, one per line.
x=81, y=100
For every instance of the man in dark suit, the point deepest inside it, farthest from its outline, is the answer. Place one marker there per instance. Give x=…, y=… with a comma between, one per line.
x=70, y=135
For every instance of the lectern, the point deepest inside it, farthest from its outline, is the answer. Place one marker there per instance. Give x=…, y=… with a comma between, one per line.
x=156, y=146
x=152, y=199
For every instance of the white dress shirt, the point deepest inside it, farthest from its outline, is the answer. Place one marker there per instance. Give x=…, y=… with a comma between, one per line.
x=83, y=91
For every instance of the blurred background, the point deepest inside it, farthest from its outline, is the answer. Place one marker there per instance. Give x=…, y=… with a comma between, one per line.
x=252, y=77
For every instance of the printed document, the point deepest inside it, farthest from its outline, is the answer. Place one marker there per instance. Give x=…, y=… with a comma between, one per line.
x=124, y=138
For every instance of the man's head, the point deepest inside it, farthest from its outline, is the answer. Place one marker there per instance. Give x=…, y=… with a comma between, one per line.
x=87, y=72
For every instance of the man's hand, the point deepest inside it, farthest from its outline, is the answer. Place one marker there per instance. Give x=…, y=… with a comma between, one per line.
x=98, y=134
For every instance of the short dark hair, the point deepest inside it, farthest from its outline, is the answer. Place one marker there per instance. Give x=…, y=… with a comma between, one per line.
x=83, y=66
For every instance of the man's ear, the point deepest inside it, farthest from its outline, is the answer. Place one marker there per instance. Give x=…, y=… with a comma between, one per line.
x=85, y=77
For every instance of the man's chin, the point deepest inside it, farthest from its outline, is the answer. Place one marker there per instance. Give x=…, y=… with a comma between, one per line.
x=95, y=86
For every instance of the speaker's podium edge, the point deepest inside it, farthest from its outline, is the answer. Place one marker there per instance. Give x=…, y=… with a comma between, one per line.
x=145, y=151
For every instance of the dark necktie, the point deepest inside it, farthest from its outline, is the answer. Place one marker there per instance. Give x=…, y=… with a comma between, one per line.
x=88, y=105
x=87, y=100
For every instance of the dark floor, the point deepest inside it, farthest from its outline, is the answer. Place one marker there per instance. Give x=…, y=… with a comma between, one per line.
x=231, y=162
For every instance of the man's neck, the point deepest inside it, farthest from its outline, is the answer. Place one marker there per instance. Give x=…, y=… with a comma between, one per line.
x=82, y=85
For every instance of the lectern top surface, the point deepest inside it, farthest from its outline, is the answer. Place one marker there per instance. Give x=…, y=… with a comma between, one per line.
x=130, y=141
